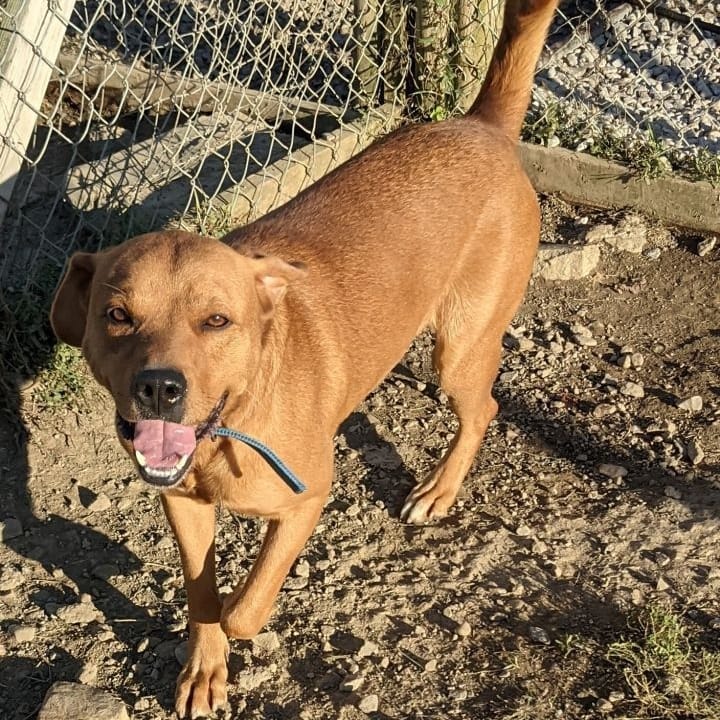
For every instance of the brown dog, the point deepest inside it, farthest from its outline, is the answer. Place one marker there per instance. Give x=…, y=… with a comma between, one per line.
x=284, y=327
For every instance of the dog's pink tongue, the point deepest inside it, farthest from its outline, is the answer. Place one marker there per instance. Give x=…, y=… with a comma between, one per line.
x=163, y=443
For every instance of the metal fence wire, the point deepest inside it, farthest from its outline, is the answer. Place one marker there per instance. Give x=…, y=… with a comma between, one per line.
x=120, y=116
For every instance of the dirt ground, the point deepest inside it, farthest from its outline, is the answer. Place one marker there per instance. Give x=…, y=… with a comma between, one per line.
x=506, y=609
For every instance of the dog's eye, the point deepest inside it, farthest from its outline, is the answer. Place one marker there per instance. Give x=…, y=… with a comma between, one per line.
x=118, y=316
x=216, y=321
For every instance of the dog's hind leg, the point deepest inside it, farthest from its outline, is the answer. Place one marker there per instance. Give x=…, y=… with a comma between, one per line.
x=467, y=356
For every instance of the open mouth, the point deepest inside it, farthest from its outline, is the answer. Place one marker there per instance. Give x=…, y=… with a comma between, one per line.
x=164, y=450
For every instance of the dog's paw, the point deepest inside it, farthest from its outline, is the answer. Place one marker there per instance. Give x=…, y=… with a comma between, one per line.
x=426, y=502
x=202, y=684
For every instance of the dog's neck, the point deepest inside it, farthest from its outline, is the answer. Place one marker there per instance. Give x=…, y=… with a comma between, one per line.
x=255, y=405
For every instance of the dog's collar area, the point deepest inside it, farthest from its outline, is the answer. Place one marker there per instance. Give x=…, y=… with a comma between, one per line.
x=285, y=473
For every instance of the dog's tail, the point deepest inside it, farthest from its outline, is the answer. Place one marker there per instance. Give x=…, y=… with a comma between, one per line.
x=505, y=93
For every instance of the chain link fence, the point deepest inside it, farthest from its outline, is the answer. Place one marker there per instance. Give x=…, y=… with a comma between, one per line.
x=121, y=116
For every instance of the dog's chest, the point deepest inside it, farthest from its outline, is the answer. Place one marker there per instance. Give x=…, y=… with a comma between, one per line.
x=242, y=482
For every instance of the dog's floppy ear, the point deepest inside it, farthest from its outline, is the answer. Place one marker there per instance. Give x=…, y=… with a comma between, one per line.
x=272, y=277
x=70, y=306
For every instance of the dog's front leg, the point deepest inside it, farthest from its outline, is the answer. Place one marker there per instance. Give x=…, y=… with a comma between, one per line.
x=248, y=607
x=202, y=684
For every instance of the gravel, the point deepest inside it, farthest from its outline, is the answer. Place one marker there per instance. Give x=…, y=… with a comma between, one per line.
x=628, y=68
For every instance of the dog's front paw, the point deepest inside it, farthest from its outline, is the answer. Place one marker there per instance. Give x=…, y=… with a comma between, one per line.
x=428, y=501
x=202, y=684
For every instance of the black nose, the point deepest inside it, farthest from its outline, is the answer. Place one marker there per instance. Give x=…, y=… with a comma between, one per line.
x=162, y=392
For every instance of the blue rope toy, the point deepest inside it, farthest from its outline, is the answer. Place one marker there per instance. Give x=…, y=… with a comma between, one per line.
x=286, y=474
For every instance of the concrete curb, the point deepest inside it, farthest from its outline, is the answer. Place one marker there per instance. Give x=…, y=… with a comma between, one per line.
x=588, y=180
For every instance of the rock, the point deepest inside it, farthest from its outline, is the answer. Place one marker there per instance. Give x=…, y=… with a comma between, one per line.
x=652, y=253
x=630, y=234
x=302, y=568
x=604, y=409
x=695, y=452
x=65, y=700
x=182, y=652
x=584, y=340
x=464, y=629
x=351, y=683
x=100, y=503
x=266, y=643
x=538, y=635
x=612, y=471
x=692, y=404
x=105, y=571
x=88, y=675
x=250, y=679
x=10, y=578
x=367, y=649
x=706, y=246
x=369, y=704
x=566, y=262
x=632, y=389
x=78, y=614
x=22, y=633
x=295, y=583
x=662, y=585
x=10, y=528
x=672, y=492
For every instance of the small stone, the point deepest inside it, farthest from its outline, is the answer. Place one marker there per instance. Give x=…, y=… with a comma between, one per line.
x=584, y=340
x=692, y=404
x=566, y=262
x=637, y=360
x=604, y=409
x=632, y=389
x=10, y=579
x=652, y=253
x=78, y=614
x=369, y=704
x=22, y=633
x=612, y=471
x=10, y=528
x=182, y=652
x=367, y=649
x=266, y=643
x=629, y=235
x=464, y=630
x=431, y=665
x=661, y=559
x=523, y=531
x=695, y=452
x=538, y=635
x=66, y=700
x=88, y=675
x=101, y=503
x=706, y=246
x=295, y=583
x=143, y=645
x=351, y=683
x=661, y=585
x=604, y=706
x=302, y=568
x=673, y=492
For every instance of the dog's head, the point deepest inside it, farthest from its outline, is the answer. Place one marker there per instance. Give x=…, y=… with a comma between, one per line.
x=172, y=324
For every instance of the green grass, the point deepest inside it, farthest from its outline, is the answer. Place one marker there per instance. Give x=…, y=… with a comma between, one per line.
x=643, y=153
x=668, y=673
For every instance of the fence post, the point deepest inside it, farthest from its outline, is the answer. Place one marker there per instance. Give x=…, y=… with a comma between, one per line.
x=34, y=30
x=433, y=81
x=453, y=45
x=367, y=13
x=478, y=26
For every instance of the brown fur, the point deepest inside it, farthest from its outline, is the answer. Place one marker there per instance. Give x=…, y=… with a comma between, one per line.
x=435, y=226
